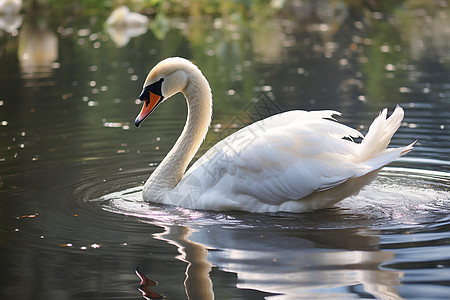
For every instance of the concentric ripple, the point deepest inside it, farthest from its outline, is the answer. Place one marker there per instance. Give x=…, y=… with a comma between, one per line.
x=397, y=196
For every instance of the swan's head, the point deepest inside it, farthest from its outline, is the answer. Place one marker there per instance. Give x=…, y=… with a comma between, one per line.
x=167, y=78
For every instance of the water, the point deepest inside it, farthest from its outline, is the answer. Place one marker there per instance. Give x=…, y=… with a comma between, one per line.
x=73, y=225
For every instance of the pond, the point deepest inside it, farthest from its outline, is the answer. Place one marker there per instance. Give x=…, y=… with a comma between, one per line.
x=73, y=224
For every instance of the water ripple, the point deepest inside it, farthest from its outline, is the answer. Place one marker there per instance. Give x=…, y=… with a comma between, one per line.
x=398, y=196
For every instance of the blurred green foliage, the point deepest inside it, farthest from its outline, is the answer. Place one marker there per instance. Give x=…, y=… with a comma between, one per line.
x=236, y=9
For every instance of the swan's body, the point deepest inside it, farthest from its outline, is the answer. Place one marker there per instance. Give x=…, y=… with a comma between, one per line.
x=294, y=161
x=10, y=18
x=10, y=7
x=122, y=25
x=122, y=17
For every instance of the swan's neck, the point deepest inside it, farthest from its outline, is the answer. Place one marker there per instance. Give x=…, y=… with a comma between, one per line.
x=199, y=104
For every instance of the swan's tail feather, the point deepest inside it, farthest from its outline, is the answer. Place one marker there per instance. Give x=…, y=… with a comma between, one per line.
x=408, y=148
x=380, y=133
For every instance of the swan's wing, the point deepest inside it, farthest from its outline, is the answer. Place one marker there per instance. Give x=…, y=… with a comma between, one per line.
x=281, y=158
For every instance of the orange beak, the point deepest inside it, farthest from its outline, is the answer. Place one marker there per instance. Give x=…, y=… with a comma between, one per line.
x=148, y=106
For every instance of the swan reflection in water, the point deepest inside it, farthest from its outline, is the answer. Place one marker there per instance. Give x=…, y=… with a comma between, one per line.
x=336, y=253
x=331, y=253
x=288, y=263
x=10, y=23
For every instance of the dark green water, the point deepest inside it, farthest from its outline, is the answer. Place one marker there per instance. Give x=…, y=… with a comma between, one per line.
x=73, y=226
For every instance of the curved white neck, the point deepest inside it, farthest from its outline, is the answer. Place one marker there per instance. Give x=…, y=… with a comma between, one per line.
x=199, y=104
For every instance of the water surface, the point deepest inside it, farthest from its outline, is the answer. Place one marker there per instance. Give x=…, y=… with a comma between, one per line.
x=73, y=224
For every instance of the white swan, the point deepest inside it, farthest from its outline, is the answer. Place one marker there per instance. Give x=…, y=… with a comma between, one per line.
x=10, y=19
x=10, y=7
x=122, y=17
x=122, y=25
x=294, y=161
